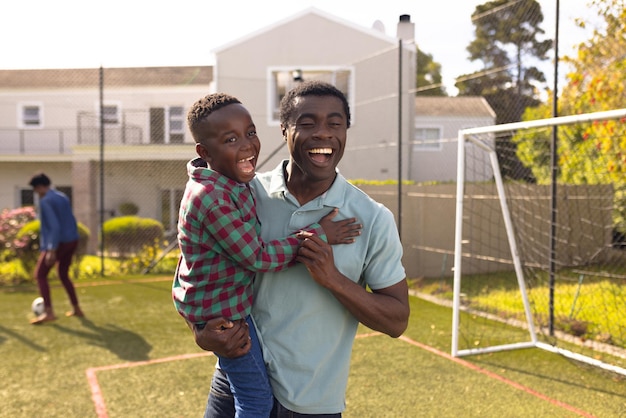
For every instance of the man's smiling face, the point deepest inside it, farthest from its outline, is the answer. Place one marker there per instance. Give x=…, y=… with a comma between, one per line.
x=316, y=136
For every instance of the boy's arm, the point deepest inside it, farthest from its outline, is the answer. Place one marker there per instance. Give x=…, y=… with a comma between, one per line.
x=339, y=232
x=239, y=241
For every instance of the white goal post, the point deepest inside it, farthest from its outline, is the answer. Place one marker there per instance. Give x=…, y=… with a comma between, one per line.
x=482, y=140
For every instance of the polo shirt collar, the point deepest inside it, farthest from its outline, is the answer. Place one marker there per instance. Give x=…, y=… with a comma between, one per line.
x=333, y=197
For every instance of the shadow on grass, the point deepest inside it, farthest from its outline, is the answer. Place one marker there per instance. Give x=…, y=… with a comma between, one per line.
x=124, y=344
x=19, y=338
x=554, y=378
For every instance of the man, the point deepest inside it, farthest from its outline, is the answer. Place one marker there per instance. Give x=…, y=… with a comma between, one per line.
x=307, y=315
x=58, y=240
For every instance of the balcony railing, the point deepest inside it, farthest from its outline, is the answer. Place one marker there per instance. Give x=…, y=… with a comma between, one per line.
x=134, y=127
x=61, y=141
x=40, y=141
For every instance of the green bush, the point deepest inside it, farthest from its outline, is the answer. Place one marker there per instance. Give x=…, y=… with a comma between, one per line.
x=128, y=208
x=166, y=265
x=12, y=273
x=127, y=236
x=28, y=248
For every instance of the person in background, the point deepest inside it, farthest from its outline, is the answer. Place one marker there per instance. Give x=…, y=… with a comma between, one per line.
x=307, y=315
x=58, y=240
x=218, y=234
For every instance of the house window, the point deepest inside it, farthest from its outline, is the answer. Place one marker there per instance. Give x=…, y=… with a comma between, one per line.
x=427, y=139
x=111, y=113
x=170, y=203
x=28, y=198
x=176, y=123
x=284, y=79
x=167, y=125
x=30, y=115
x=67, y=190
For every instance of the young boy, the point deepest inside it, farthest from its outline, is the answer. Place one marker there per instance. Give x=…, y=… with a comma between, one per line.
x=218, y=233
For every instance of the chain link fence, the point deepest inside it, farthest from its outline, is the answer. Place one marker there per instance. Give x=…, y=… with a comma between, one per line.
x=116, y=137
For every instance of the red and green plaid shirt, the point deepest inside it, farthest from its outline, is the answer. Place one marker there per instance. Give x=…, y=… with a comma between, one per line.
x=221, y=248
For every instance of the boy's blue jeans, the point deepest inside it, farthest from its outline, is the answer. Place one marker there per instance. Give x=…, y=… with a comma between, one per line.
x=221, y=405
x=248, y=380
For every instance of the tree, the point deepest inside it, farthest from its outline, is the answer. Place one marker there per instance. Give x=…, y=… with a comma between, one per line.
x=507, y=35
x=428, y=77
x=592, y=153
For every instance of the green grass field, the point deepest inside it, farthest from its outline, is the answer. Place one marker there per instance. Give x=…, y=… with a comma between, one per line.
x=132, y=356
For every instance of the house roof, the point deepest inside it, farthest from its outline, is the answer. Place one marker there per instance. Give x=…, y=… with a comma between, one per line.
x=315, y=11
x=474, y=106
x=89, y=77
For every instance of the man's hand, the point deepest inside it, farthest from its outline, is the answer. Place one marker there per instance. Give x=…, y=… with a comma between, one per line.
x=385, y=310
x=225, y=338
x=51, y=257
x=318, y=258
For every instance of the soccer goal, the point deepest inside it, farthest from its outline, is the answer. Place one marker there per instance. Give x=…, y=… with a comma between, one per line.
x=539, y=258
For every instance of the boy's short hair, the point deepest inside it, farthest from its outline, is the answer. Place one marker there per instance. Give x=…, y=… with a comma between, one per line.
x=202, y=108
x=310, y=88
x=39, y=179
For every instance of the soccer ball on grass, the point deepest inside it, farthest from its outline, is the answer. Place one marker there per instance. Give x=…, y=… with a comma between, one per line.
x=37, y=306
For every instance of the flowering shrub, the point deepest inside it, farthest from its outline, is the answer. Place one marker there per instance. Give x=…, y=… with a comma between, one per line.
x=11, y=221
x=140, y=261
x=28, y=250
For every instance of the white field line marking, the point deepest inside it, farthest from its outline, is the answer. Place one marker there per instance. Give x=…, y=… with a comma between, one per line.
x=498, y=377
x=101, y=411
x=96, y=392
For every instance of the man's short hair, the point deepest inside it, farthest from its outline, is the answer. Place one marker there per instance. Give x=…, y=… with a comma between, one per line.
x=39, y=179
x=310, y=88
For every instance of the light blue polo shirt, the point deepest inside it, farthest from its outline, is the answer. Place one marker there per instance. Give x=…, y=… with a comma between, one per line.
x=305, y=332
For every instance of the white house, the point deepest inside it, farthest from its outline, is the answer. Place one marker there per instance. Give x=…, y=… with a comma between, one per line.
x=50, y=119
x=362, y=62
x=437, y=123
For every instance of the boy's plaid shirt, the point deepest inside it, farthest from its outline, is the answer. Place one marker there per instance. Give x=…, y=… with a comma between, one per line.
x=221, y=248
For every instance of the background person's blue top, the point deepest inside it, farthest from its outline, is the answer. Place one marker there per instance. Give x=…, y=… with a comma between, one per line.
x=58, y=223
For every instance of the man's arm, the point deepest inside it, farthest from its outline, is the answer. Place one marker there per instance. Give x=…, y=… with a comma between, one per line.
x=223, y=337
x=385, y=310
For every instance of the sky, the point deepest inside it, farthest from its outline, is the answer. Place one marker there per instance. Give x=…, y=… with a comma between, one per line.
x=129, y=33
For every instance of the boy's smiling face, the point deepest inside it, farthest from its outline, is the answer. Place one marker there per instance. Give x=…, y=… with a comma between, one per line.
x=230, y=144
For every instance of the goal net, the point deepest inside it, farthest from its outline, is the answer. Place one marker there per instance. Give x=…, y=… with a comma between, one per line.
x=540, y=254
